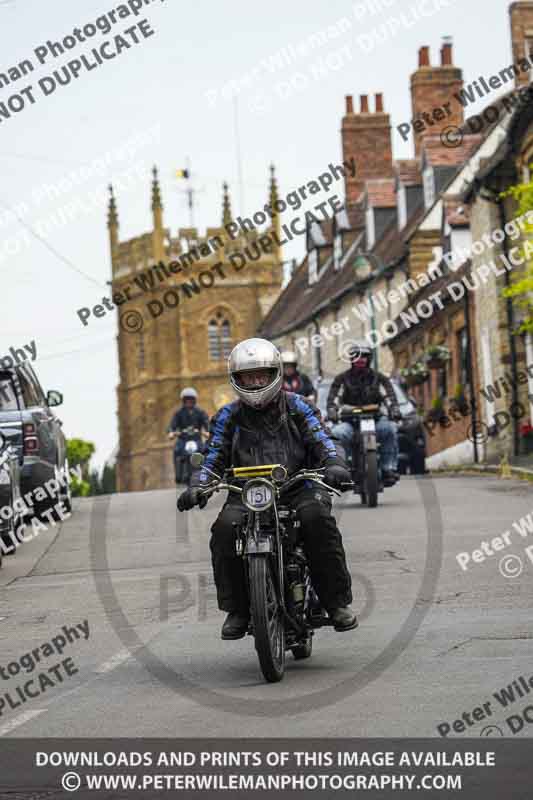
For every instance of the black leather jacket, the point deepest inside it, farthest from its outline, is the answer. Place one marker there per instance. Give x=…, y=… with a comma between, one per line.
x=288, y=432
x=189, y=417
x=363, y=387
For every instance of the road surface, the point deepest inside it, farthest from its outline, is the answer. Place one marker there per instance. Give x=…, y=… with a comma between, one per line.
x=435, y=642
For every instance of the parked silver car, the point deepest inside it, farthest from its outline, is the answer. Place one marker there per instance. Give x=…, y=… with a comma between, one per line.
x=11, y=521
x=34, y=431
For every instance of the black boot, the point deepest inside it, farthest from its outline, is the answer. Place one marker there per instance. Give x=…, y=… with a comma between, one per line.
x=343, y=618
x=390, y=477
x=235, y=625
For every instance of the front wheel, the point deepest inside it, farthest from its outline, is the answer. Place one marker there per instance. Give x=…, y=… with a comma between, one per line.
x=372, y=478
x=269, y=630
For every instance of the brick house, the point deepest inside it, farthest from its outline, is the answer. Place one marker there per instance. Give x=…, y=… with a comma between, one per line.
x=408, y=219
x=363, y=285
x=477, y=227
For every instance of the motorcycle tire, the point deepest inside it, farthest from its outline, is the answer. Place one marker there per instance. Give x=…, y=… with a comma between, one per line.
x=372, y=478
x=268, y=626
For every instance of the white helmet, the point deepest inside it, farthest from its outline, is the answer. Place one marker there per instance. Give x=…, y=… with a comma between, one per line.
x=256, y=354
x=288, y=357
x=188, y=392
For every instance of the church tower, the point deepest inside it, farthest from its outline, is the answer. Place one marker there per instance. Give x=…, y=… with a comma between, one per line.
x=183, y=302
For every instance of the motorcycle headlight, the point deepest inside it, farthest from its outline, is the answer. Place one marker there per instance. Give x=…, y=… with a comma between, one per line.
x=258, y=495
x=191, y=447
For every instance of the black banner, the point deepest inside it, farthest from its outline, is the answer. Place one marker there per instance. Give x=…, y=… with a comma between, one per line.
x=371, y=768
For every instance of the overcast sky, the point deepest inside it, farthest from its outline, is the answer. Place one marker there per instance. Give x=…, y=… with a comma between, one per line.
x=174, y=91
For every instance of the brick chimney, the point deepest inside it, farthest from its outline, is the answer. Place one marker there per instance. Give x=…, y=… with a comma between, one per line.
x=432, y=87
x=521, y=15
x=366, y=137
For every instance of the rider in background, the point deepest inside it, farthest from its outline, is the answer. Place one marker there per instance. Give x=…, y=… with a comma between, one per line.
x=294, y=381
x=189, y=415
x=267, y=425
x=359, y=386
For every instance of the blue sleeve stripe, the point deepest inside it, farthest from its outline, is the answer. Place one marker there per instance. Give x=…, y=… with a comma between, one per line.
x=217, y=438
x=311, y=418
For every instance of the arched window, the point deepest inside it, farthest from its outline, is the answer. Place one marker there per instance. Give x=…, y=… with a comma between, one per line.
x=219, y=337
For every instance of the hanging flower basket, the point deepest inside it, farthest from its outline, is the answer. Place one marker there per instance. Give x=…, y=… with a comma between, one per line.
x=415, y=375
x=437, y=356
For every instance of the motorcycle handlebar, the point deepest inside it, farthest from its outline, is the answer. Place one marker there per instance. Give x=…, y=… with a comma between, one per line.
x=315, y=476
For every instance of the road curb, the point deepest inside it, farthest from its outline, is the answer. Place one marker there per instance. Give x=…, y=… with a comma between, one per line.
x=480, y=469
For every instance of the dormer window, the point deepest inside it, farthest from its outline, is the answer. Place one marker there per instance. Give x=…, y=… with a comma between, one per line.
x=370, y=228
x=337, y=250
x=312, y=265
x=429, y=187
x=402, y=207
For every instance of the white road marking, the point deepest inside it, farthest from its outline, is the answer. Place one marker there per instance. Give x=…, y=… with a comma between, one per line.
x=113, y=662
x=20, y=720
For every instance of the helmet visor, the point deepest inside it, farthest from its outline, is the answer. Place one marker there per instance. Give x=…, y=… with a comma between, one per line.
x=251, y=379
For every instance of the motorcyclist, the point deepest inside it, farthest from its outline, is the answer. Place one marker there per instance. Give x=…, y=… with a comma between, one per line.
x=267, y=425
x=361, y=385
x=189, y=415
x=293, y=380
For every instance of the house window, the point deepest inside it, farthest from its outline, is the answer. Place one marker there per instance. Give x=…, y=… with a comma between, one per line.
x=312, y=263
x=337, y=250
x=402, y=207
x=429, y=187
x=370, y=228
x=219, y=337
x=462, y=357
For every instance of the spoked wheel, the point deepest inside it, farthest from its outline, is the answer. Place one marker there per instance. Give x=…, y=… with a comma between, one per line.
x=372, y=479
x=269, y=630
x=363, y=478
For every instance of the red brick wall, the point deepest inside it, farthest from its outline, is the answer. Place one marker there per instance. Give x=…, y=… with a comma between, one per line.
x=521, y=29
x=431, y=88
x=442, y=328
x=366, y=137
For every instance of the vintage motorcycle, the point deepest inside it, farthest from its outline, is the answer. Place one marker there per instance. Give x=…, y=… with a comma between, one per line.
x=284, y=607
x=364, y=458
x=192, y=440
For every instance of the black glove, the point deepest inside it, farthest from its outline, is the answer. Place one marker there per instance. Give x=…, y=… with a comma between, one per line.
x=335, y=475
x=190, y=498
x=333, y=414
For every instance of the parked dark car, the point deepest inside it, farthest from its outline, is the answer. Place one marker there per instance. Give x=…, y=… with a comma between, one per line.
x=10, y=519
x=34, y=432
x=411, y=437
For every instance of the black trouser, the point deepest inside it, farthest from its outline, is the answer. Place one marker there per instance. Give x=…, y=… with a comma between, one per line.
x=322, y=543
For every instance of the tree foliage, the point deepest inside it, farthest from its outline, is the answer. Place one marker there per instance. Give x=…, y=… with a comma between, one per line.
x=79, y=453
x=521, y=288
